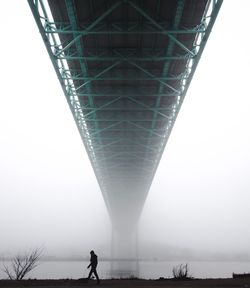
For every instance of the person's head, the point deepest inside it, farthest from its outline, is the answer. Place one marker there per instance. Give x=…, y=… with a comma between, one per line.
x=92, y=252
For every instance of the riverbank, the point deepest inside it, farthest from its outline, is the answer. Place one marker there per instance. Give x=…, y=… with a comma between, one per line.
x=140, y=283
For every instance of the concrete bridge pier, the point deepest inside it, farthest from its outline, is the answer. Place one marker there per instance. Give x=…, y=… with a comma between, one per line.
x=124, y=253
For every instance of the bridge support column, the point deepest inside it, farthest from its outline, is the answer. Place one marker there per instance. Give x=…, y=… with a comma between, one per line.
x=124, y=254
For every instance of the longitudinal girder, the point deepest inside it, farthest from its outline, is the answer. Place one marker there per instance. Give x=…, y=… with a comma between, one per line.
x=125, y=67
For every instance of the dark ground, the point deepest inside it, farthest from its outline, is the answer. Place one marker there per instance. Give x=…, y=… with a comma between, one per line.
x=228, y=283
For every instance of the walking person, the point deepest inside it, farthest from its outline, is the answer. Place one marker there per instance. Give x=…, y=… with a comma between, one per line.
x=93, y=264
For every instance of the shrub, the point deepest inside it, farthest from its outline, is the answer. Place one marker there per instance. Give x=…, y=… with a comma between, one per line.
x=181, y=272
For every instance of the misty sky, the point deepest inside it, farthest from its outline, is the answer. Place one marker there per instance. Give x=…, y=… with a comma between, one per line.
x=49, y=197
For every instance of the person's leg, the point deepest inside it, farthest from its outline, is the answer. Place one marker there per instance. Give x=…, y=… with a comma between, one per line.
x=96, y=275
x=90, y=273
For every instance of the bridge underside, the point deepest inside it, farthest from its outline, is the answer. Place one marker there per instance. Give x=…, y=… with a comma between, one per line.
x=125, y=67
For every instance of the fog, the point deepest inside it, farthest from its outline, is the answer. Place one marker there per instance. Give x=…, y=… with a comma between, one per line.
x=199, y=199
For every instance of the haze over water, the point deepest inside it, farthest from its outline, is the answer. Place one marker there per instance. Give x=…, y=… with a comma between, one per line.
x=147, y=269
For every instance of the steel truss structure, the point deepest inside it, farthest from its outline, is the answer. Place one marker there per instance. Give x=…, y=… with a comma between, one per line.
x=125, y=67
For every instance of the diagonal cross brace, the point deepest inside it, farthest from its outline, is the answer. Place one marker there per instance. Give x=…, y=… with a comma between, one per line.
x=91, y=26
x=106, y=128
x=145, y=129
x=148, y=73
x=160, y=27
x=99, y=74
x=103, y=106
x=169, y=51
x=149, y=108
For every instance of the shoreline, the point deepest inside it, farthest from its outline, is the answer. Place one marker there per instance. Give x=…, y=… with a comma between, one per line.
x=161, y=282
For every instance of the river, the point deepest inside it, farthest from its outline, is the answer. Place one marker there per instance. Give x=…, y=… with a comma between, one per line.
x=146, y=269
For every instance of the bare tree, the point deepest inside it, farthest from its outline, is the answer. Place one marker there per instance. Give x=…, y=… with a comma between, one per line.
x=22, y=265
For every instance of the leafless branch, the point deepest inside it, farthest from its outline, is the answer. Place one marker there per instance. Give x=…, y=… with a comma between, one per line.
x=22, y=265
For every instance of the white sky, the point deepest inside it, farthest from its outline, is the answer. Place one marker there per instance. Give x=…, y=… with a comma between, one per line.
x=48, y=193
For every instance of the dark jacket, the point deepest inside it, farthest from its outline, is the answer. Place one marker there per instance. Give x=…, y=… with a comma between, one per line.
x=93, y=260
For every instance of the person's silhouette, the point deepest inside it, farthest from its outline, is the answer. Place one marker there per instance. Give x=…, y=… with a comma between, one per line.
x=93, y=264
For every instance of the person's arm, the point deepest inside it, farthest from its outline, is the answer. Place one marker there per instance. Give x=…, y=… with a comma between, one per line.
x=90, y=263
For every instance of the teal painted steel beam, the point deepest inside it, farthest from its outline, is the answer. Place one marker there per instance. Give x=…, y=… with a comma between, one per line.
x=77, y=42
x=52, y=44
x=116, y=25
x=125, y=78
x=147, y=51
x=104, y=15
x=120, y=138
x=120, y=73
x=83, y=66
x=122, y=57
x=140, y=129
x=150, y=74
x=126, y=156
x=101, y=147
x=104, y=32
x=124, y=146
x=79, y=48
x=91, y=26
x=134, y=142
x=128, y=178
x=132, y=94
x=156, y=24
x=104, y=129
x=206, y=17
x=99, y=74
x=149, y=108
x=124, y=119
x=124, y=153
x=100, y=108
x=117, y=135
x=169, y=51
x=118, y=165
x=145, y=129
x=110, y=157
x=121, y=108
